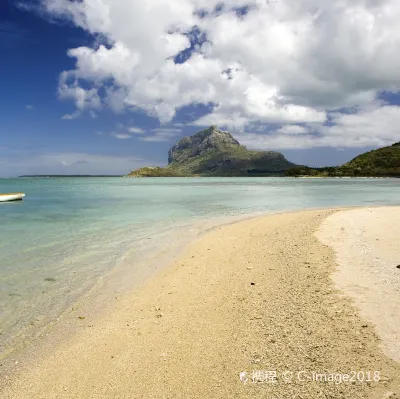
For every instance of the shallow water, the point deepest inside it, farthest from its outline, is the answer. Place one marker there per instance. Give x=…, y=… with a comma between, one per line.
x=68, y=232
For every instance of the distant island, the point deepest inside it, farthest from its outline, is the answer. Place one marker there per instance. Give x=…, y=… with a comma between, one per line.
x=52, y=176
x=213, y=152
x=383, y=162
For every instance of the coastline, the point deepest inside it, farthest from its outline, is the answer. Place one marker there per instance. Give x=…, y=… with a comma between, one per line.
x=195, y=326
x=119, y=281
x=368, y=258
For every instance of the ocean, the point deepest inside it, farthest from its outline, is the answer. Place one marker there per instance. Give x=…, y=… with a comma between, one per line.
x=69, y=233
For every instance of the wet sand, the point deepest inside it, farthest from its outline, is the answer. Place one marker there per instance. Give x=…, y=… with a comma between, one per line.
x=244, y=299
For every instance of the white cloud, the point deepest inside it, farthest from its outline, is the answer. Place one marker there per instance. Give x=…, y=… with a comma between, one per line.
x=160, y=135
x=29, y=107
x=71, y=116
x=284, y=62
x=292, y=129
x=69, y=88
x=136, y=130
x=121, y=136
x=167, y=129
x=369, y=127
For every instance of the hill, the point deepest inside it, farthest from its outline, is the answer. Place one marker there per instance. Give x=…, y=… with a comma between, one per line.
x=213, y=152
x=383, y=162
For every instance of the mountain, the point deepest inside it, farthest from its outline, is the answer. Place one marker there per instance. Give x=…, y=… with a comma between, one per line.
x=383, y=162
x=213, y=152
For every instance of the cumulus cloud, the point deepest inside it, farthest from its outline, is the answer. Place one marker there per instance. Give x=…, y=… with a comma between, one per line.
x=69, y=88
x=255, y=62
x=367, y=127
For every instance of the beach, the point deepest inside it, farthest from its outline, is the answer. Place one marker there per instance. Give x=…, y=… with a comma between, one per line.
x=254, y=309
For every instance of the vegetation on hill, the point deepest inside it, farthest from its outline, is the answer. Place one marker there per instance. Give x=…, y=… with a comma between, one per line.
x=383, y=162
x=155, y=171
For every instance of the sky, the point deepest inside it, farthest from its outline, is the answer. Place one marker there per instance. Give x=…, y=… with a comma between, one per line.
x=107, y=86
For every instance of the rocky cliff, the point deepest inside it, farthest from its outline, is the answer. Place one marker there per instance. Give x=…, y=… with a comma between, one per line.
x=201, y=143
x=213, y=152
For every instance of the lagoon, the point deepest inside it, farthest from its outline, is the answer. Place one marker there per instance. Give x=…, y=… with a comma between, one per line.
x=69, y=233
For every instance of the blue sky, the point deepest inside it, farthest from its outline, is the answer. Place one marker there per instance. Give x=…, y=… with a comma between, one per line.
x=45, y=130
x=35, y=52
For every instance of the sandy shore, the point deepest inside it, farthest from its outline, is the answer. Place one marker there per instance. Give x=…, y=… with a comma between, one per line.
x=252, y=296
x=367, y=246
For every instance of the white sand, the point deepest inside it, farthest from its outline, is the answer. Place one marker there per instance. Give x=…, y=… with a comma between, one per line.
x=367, y=246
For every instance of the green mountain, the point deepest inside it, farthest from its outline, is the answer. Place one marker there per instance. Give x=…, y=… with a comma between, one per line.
x=383, y=162
x=213, y=152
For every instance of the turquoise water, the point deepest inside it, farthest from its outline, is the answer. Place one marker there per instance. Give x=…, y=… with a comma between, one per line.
x=68, y=232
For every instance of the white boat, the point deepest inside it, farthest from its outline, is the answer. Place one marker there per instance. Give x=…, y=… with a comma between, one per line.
x=11, y=197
